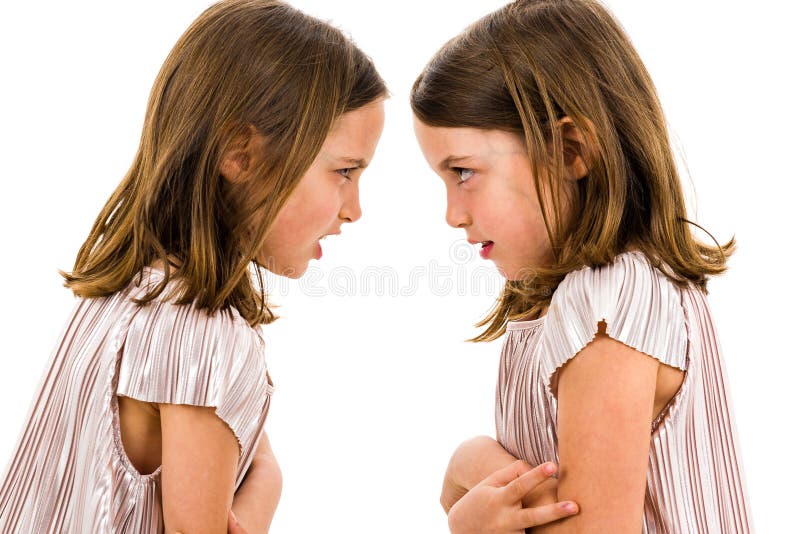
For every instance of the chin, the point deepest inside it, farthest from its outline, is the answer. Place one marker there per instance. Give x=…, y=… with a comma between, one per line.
x=292, y=271
x=298, y=272
x=515, y=273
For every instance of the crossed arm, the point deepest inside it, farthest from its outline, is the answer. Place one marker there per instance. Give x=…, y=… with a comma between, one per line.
x=197, y=500
x=605, y=403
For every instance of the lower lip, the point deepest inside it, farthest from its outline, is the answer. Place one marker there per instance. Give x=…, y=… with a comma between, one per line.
x=486, y=250
x=318, y=253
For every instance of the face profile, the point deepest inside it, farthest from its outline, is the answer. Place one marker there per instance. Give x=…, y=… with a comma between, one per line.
x=491, y=193
x=326, y=196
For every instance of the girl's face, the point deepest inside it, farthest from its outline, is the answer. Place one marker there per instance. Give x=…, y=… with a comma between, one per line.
x=327, y=195
x=490, y=194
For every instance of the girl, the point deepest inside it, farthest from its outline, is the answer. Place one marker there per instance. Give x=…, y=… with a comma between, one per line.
x=546, y=128
x=150, y=415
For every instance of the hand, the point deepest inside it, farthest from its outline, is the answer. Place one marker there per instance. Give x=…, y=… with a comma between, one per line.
x=494, y=506
x=452, y=492
x=471, y=462
x=544, y=493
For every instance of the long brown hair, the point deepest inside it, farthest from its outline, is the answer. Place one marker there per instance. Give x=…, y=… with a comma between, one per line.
x=242, y=64
x=523, y=68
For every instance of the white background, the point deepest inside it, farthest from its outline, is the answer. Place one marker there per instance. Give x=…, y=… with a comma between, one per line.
x=376, y=388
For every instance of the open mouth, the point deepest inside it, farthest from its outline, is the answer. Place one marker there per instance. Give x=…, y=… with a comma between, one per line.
x=486, y=248
x=318, y=252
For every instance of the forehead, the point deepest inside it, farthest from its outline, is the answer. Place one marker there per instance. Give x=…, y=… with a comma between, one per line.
x=357, y=126
x=441, y=142
x=354, y=136
x=448, y=137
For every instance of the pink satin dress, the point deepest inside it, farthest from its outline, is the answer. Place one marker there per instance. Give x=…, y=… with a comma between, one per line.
x=69, y=472
x=695, y=478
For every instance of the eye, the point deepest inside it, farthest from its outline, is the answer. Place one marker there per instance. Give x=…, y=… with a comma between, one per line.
x=346, y=172
x=463, y=174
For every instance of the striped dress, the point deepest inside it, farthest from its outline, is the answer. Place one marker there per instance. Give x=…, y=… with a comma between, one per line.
x=69, y=472
x=695, y=479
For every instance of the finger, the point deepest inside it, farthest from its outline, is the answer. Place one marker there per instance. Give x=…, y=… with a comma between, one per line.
x=519, y=487
x=503, y=476
x=541, y=515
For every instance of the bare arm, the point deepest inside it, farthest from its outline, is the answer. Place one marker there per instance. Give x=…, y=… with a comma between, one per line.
x=494, y=506
x=472, y=461
x=605, y=403
x=477, y=458
x=199, y=459
x=257, y=498
x=486, y=489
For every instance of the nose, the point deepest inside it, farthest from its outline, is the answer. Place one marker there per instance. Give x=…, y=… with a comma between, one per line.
x=456, y=215
x=351, y=209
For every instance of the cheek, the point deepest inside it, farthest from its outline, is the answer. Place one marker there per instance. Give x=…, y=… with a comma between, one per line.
x=320, y=210
x=513, y=219
x=306, y=216
x=506, y=210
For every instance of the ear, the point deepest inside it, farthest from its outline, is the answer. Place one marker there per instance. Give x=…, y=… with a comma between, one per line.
x=240, y=155
x=579, y=149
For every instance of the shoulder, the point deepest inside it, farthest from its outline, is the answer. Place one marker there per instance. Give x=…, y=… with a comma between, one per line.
x=633, y=300
x=628, y=286
x=164, y=317
x=629, y=274
x=181, y=353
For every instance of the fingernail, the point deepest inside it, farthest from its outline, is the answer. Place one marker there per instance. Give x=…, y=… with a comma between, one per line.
x=569, y=507
x=549, y=468
x=235, y=521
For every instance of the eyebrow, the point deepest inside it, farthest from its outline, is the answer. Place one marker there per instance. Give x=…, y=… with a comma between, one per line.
x=450, y=160
x=361, y=163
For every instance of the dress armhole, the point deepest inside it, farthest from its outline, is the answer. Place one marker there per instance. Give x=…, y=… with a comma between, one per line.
x=179, y=354
x=630, y=299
